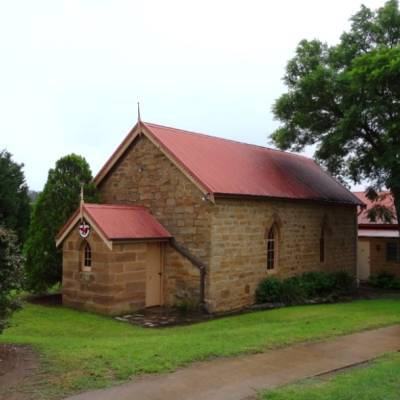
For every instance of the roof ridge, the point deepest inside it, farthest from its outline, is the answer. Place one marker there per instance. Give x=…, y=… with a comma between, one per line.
x=226, y=140
x=111, y=205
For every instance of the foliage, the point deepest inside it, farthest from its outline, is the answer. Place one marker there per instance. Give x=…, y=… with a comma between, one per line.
x=54, y=206
x=319, y=283
x=377, y=380
x=343, y=281
x=294, y=291
x=345, y=99
x=298, y=289
x=14, y=198
x=268, y=290
x=11, y=275
x=384, y=280
x=83, y=350
x=33, y=195
x=187, y=304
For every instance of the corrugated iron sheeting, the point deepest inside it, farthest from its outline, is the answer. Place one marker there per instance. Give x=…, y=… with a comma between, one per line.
x=228, y=167
x=125, y=222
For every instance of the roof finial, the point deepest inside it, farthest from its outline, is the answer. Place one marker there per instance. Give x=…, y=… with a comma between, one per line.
x=138, y=117
x=82, y=202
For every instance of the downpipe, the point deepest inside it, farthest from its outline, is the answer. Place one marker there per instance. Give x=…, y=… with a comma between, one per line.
x=198, y=264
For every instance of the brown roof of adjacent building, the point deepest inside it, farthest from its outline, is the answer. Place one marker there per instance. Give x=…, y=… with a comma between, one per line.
x=118, y=222
x=225, y=167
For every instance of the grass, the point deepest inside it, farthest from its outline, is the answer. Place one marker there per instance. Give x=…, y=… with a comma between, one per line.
x=379, y=381
x=83, y=351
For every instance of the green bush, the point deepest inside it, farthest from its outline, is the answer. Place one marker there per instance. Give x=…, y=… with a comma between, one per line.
x=298, y=289
x=343, y=281
x=319, y=282
x=383, y=279
x=295, y=291
x=395, y=284
x=268, y=290
x=187, y=304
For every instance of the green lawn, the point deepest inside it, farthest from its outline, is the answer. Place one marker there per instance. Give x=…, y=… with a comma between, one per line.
x=84, y=351
x=380, y=380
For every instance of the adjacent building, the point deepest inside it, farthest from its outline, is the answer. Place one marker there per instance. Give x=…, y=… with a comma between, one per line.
x=378, y=242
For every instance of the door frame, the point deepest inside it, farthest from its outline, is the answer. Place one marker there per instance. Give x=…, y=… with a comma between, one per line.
x=150, y=301
x=364, y=269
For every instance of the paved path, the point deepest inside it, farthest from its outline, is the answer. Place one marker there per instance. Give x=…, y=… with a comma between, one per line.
x=238, y=378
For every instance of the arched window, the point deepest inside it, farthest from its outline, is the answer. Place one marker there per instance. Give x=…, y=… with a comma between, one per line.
x=271, y=249
x=86, y=257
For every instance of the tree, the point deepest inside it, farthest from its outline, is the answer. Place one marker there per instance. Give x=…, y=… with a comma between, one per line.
x=345, y=99
x=33, y=195
x=14, y=198
x=11, y=275
x=52, y=209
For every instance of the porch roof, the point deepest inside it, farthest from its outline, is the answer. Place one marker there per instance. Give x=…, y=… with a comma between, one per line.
x=117, y=222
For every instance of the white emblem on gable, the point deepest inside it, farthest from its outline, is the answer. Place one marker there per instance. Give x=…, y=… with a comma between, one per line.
x=84, y=229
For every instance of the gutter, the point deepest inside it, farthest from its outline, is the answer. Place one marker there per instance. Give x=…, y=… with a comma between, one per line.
x=196, y=263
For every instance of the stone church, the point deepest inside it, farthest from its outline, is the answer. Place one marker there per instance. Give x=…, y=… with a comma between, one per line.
x=190, y=216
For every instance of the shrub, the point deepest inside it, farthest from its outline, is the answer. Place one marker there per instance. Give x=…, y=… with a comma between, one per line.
x=395, y=284
x=319, y=283
x=268, y=290
x=383, y=279
x=187, y=304
x=343, y=281
x=295, y=291
x=298, y=289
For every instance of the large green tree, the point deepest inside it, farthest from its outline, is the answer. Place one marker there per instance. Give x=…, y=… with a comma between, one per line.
x=52, y=209
x=345, y=100
x=11, y=275
x=14, y=197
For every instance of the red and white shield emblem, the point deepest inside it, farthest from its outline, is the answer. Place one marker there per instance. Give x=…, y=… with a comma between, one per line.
x=84, y=229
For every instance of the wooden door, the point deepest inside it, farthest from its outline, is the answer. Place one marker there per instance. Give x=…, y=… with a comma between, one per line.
x=363, y=260
x=153, y=274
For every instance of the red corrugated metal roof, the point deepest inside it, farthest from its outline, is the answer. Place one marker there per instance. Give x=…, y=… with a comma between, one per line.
x=362, y=217
x=121, y=222
x=226, y=167
x=125, y=222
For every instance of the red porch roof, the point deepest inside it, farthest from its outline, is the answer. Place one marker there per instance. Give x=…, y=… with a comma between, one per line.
x=118, y=222
x=226, y=167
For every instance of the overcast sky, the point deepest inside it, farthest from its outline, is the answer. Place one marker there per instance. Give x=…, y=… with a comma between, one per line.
x=72, y=72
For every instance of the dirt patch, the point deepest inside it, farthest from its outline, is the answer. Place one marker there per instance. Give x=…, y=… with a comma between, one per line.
x=48, y=299
x=19, y=365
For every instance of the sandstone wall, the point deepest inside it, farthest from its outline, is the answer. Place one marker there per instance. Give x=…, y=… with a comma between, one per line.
x=239, y=245
x=116, y=283
x=146, y=177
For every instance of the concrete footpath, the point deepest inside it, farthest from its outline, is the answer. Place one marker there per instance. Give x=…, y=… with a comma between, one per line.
x=241, y=377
